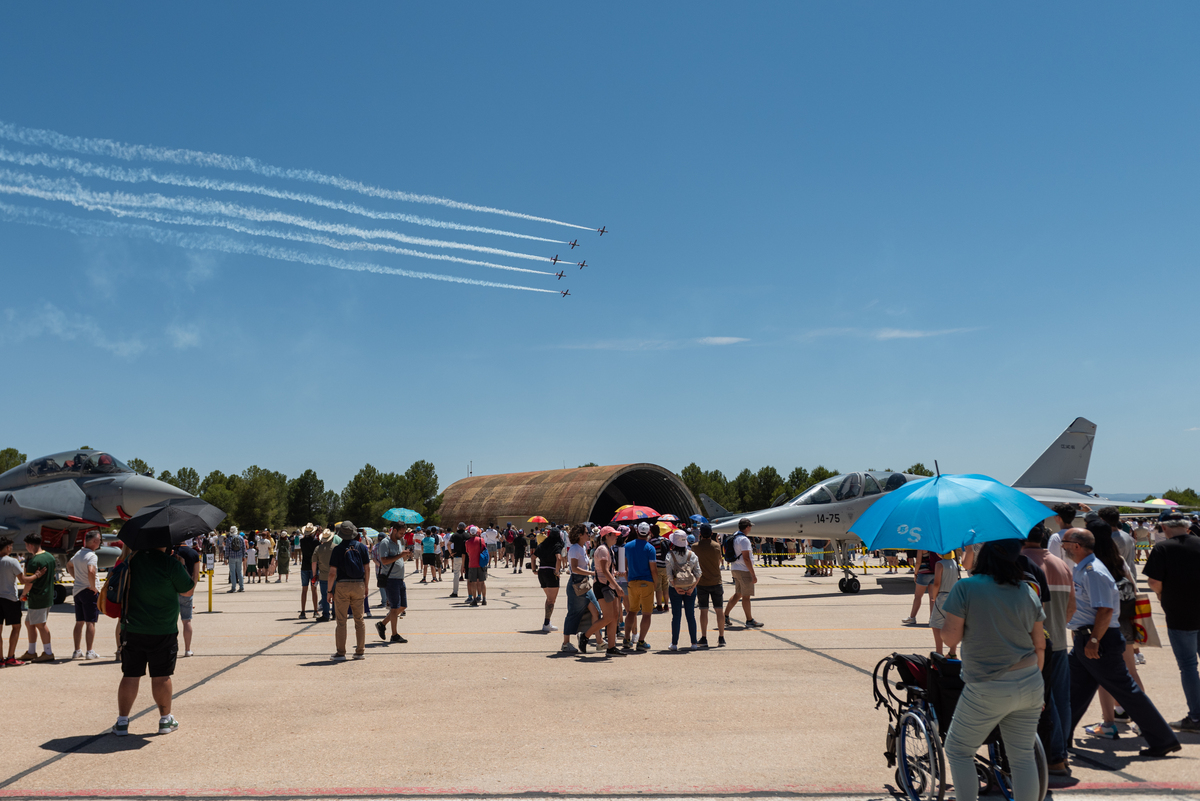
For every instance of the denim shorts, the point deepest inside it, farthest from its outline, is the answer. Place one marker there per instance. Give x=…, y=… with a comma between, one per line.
x=306, y=576
x=397, y=594
x=185, y=607
x=924, y=579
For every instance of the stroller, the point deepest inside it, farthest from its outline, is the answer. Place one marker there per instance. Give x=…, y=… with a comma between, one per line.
x=920, y=695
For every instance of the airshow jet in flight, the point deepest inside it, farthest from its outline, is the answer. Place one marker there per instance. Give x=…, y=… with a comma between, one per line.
x=555, y=259
x=574, y=243
x=582, y=264
x=826, y=511
x=565, y=292
x=603, y=230
x=65, y=495
x=560, y=274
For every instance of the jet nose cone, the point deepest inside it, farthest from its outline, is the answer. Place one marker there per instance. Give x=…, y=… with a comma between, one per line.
x=138, y=492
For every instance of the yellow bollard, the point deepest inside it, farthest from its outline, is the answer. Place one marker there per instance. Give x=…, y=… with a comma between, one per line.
x=210, y=576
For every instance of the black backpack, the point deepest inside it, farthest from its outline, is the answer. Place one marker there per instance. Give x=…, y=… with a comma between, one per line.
x=352, y=564
x=235, y=544
x=727, y=548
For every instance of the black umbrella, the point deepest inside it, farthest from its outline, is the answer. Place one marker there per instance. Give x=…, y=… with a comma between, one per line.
x=170, y=522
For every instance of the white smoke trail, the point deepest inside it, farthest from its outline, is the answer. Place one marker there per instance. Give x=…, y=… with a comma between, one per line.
x=67, y=188
x=147, y=175
x=120, y=150
x=160, y=217
x=62, y=222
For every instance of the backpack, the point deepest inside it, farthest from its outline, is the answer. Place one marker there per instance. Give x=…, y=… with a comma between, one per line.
x=116, y=590
x=727, y=549
x=484, y=557
x=235, y=544
x=352, y=564
x=685, y=574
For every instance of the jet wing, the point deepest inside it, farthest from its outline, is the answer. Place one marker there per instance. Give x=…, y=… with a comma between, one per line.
x=1051, y=496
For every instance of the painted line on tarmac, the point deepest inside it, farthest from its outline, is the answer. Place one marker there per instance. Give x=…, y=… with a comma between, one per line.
x=154, y=708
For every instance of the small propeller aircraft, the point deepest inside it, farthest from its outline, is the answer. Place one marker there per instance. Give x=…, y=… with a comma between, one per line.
x=565, y=292
x=583, y=264
x=603, y=230
x=574, y=243
x=560, y=275
x=555, y=259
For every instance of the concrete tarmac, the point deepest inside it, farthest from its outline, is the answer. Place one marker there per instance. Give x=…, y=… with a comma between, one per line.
x=480, y=703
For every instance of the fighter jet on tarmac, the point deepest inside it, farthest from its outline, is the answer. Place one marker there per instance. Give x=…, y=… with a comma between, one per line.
x=64, y=495
x=825, y=511
x=574, y=243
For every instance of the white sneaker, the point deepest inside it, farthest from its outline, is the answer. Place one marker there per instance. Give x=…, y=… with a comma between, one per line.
x=169, y=725
x=77, y=655
x=91, y=655
x=187, y=653
x=1138, y=659
x=549, y=627
x=909, y=621
x=672, y=647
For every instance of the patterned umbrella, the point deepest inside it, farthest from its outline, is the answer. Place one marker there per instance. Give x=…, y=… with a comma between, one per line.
x=1162, y=502
x=635, y=513
x=668, y=518
x=537, y=519
x=402, y=515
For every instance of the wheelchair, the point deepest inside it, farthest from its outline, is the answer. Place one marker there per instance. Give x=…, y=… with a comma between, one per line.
x=917, y=724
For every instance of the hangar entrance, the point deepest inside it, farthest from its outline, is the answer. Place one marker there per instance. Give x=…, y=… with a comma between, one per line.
x=644, y=486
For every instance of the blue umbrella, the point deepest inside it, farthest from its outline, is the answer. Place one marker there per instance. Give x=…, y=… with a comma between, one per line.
x=699, y=518
x=402, y=515
x=944, y=513
x=369, y=532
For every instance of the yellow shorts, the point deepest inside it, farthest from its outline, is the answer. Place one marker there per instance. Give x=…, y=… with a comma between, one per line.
x=743, y=585
x=641, y=597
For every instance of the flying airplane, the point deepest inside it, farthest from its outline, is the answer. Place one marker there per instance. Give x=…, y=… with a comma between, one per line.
x=603, y=230
x=565, y=292
x=582, y=264
x=574, y=243
x=67, y=494
x=825, y=511
x=560, y=274
x=555, y=259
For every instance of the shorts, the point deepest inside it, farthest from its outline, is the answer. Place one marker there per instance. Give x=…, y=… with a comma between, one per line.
x=662, y=584
x=476, y=574
x=743, y=585
x=716, y=592
x=429, y=558
x=36, y=617
x=263, y=564
x=606, y=592
x=87, y=609
x=548, y=578
x=641, y=597
x=158, y=651
x=10, y=612
x=1125, y=621
x=185, y=607
x=306, y=576
x=924, y=579
x=397, y=593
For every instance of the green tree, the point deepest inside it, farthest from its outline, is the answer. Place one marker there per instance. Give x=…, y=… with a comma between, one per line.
x=821, y=473
x=138, y=466
x=740, y=492
x=919, y=469
x=1185, y=497
x=360, y=497
x=188, y=480
x=768, y=485
x=589, y=464
x=10, y=458
x=306, y=500
x=261, y=498
x=798, y=481
x=215, y=489
x=166, y=478
x=333, y=507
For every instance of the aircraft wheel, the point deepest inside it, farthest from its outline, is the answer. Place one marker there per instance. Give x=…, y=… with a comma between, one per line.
x=842, y=585
x=60, y=594
x=853, y=585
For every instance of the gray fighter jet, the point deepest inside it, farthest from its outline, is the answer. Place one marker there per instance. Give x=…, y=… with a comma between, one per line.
x=64, y=495
x=825, y=511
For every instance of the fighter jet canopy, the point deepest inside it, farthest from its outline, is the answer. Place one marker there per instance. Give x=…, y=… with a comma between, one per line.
x=849, y=486
x=63, y=465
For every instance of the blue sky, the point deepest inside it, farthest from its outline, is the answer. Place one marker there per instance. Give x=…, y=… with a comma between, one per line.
x=935, y=232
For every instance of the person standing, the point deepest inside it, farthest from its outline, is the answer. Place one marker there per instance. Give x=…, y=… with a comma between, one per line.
x=642, y=568
x=40, y=598
x=683, y=574
x=458, y=548
x=710, y=589
x=308, y=582
x=926, y=562
x=283, y=557
x=265, y=547
x=190, y=560
x=577, y=603
x=1066, y=515
x=476, y=570
x=607, y=590
x=12, y=575
x=149, y=636
x=744, y=577
x=1098, y=661
x=235, y=556
x=321, y=557
x=998, y=619
x=391, y=554
x=428, y=557
x=86, y=592
x=945, y=576
x=545, y=561
x=519, y=544
x=348, y=563
x=661, y=546
x=1173, y=572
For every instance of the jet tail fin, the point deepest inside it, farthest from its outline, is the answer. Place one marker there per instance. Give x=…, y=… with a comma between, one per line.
x=1064, y=465
x=714, y=510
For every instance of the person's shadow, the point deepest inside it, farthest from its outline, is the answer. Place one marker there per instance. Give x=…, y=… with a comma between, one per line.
x=105, y=743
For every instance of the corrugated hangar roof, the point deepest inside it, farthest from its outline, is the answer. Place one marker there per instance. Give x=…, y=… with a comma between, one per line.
x=576, y=495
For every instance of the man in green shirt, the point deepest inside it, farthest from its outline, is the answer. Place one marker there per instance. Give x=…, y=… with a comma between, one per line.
x=40, y=598
x=149, y=634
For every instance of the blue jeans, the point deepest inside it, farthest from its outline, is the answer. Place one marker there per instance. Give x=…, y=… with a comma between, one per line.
x=1014, y=701
x=680, y=605
x=323, y=587
x=1186, y=645
x=1054, y=726
x=576, y=606
x=236, y=579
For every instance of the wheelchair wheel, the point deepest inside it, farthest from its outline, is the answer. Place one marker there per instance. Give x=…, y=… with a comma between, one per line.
x=1003, y=774
x=921, y=764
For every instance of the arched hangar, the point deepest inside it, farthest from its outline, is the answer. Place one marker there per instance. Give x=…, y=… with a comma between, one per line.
x=579, y=495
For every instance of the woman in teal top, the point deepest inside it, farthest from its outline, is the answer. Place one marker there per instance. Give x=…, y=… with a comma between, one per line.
x=998, y=619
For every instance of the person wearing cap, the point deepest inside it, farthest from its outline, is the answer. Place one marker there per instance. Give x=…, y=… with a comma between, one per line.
x=348, y=577
x=744, y=577
x=997, y=617
x=1098, y=656
x=458, y=547
x=710, y=589
x=643, y=576
x=308, y=583
x=683, y=574
x=1173, y=572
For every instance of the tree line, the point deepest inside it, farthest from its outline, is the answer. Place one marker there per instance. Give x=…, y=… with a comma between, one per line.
x=257, y=498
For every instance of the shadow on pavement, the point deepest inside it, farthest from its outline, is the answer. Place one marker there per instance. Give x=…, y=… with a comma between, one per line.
x=97, y=744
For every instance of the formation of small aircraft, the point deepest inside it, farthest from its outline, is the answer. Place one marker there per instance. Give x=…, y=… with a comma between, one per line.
x=574, y=243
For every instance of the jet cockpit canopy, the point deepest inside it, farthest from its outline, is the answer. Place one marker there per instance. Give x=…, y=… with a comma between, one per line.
x=849, y=486
x=67, y=464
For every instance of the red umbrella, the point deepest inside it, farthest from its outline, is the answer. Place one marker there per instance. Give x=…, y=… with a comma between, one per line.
x=635, y=513
x=537, y=519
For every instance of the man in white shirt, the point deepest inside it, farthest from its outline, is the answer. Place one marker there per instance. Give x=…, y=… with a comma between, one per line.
x=83, y=567
x=1066, y=515
x=744, y=577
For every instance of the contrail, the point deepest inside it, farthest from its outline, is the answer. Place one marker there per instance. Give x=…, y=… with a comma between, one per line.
x=195, y=158
x=62, y=222
x=145, y=174
x=156, y=216
x=69, y=188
